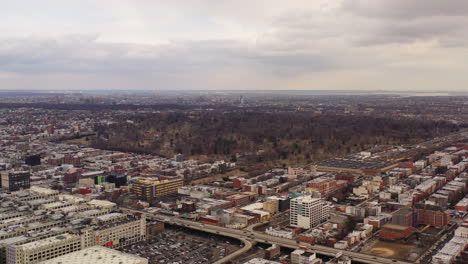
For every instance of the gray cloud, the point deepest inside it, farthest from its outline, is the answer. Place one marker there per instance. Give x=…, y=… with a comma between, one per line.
x=406, y=9
x=401, y=21
x=82, y=54
x=356, y=43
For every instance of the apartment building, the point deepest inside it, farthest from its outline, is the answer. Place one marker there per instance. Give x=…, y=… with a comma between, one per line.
x=432, y=215
x=307, y=212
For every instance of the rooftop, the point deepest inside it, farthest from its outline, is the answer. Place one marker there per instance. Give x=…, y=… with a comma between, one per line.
x=48, y=241
x=261, y=261
x=101, y=203
x=97, y=254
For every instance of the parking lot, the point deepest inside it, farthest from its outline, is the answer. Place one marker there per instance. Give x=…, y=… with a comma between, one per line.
x=179, y=246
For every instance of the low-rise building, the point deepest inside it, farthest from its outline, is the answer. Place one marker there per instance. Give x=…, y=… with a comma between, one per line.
x=150, y=189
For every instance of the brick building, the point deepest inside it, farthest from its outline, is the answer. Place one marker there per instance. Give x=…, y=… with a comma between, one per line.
x=426, y=214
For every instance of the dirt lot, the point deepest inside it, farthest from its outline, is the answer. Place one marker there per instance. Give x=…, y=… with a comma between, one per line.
x=390, y=250
x=83, y=141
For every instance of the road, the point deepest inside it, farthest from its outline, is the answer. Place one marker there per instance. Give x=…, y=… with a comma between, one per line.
x=247, y=246
x=245, y=235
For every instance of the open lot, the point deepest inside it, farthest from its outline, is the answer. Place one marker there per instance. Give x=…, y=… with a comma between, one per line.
x=390, y=250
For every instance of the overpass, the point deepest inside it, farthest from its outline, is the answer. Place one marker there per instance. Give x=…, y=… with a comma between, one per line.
x=251, y=236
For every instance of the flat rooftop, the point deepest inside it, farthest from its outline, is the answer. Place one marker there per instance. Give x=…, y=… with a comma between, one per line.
x=97, y=254
x=48, y=241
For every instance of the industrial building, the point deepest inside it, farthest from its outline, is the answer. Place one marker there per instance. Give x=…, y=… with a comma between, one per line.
x=40, y=224
x=48, y=248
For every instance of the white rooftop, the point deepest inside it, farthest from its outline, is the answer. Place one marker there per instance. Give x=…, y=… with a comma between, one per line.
x=97, y=254
x=110, y=216
x=101, y=203
x=48, y=241
x=43, y=191
x=261, y=261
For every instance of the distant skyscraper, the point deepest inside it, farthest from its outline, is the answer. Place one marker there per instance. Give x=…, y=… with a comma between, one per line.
x=307, y=212
x=179, y=157
x=241, y=100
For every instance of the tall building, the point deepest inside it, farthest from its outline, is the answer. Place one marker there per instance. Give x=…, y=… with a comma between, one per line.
x=149, y=189
x=307, y=212
x=16, y=180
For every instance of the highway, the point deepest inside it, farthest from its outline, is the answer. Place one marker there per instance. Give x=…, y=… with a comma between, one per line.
x=245, y=235
x=247, y=246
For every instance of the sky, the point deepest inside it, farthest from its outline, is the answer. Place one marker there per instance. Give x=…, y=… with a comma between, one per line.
x=242, y=44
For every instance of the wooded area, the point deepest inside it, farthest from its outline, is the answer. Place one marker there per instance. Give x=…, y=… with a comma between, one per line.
x=259, y=136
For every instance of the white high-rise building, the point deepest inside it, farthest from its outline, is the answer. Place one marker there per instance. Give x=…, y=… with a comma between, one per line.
x=307, y=212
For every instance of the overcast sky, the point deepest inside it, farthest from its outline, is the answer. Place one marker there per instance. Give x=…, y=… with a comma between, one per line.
x=235, y=44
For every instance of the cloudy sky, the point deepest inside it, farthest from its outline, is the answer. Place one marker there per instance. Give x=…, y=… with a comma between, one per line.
x=235, y=44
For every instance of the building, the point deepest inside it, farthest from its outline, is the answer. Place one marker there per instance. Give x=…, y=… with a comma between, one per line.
x=462, y=205
x=96, y=254
x=272, y=252
x=16, y=180
x=300, y=256
x=271, y=205
x=403, y=217
x=261, y=261
x=149, y=189
x=307, y=212
x=115, y=230
x=327, y=186
x=396, y=232
x=112, y=230
x=431, y=215
x=44, y=249
x=451, y=250
x=4, y=243
x=241, y=199
x=289, y=234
